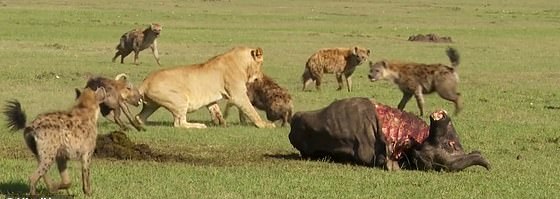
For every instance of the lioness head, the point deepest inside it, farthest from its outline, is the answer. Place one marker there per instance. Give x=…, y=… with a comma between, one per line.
x=254, y=70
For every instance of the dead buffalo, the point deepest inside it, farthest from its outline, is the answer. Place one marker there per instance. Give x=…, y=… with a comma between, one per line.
x=346, y=130
x=369, y=133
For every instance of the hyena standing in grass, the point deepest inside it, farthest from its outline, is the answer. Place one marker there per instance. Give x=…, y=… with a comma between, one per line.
x=137, y=40
x=60, y=136
x=415, y=79
x=340, y=61
x=267, y=95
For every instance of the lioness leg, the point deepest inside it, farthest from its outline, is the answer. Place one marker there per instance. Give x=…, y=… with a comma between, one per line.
x=242, y=102
x=180, y=119
x=216, y=114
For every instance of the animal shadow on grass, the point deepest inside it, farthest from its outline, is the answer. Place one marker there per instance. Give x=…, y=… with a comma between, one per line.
x=169, y=123
x=14, y=187
x=319, y=158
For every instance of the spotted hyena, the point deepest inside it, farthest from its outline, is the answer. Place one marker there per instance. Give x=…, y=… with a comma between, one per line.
x=137, y=40
x=60, y=136
x=267, y=95
x=415, y=79
x=340, y=61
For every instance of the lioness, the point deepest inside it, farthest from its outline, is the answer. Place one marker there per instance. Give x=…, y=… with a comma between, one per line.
x=185, y=89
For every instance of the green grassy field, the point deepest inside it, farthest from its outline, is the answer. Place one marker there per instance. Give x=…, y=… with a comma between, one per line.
x=509, y=76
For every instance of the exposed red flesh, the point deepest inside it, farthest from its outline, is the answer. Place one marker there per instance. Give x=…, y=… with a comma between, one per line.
x=401, y=129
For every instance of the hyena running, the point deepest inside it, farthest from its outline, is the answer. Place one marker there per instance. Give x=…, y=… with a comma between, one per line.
x=60, y=136
x=137, y=40
x=415, y=79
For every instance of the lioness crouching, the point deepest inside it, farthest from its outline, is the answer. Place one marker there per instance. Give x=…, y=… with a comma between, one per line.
x=340, y=61
x=267, y=95
x=137, y=40
x=185, y=89
x=419, y=79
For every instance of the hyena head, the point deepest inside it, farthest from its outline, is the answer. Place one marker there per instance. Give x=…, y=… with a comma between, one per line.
x=156, y=28
x=129, y=93
x=360, y=55
x=378, y=71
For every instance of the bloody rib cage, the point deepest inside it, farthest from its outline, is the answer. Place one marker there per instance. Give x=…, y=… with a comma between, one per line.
x=402, y=129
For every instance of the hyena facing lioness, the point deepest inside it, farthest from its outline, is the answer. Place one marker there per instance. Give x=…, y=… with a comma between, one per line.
x=137, y=40
x=60, y=136
x=416, y=79
x=340, y=61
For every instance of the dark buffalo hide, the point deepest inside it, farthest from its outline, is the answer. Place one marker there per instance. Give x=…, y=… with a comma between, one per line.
x=346, y=130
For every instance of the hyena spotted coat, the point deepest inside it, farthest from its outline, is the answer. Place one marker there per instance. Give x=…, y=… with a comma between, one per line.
x=340, y=61
x=267, y=95
x=137, y=40
x=416, y=79
x=60, y=136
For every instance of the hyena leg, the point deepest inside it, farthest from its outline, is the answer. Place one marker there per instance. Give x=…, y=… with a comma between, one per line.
x=117, y=118
x=216, y=114
x=419, y=99
x=349, y=83
x=123, y=55
x=147, y=109
x=339, y=80
x=136, y=52
x=453, y=97
x=63, y=170
x=86, y=178
x=318, y=82
x=307, y=79
x=117, y=54
x=404, y=100
x=45, y=162
x=155, y=51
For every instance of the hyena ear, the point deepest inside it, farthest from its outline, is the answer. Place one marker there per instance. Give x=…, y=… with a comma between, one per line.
x=257, y=54
x=355, y=50
x=78, y=93
x=368, y=51
x=384, y=63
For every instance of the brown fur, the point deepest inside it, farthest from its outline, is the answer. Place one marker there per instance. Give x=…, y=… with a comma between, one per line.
x=415, y=79
x=137, y=40
x=267, y=95
x=60, y=136
x=119, y=92
x=340, y=61
x=185, y=89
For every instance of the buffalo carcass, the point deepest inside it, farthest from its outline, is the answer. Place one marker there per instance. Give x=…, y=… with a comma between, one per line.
x=341, y=131
x=346, y=130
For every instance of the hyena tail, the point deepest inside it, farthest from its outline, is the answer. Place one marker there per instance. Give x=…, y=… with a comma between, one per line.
x=453, y=56
x=15, y=117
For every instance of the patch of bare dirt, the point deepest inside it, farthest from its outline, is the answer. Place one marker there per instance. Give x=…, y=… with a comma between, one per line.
x=117, y=145
x=431, y=37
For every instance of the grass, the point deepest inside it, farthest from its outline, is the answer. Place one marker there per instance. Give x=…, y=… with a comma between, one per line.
x=508, y=76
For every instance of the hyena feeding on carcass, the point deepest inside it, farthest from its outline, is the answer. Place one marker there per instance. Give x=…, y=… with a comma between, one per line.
x=267, y=95
x=137, y=40
x=416, y=79
x=340, y=61
x=60, y=136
